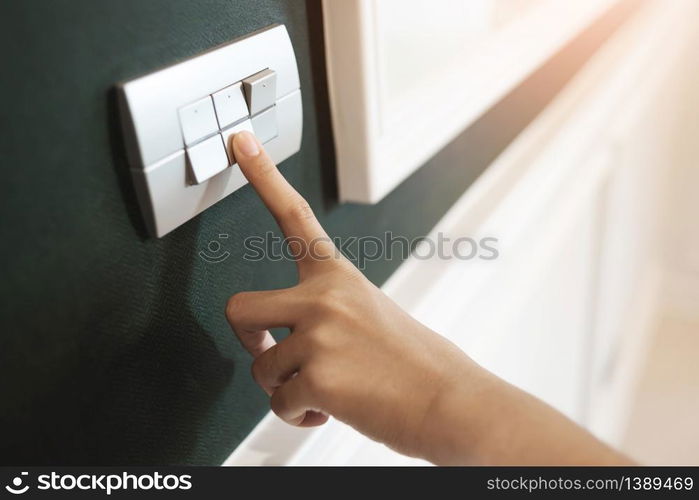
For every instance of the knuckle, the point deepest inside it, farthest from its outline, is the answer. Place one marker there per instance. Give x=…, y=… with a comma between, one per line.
x=315, y=340
x=279, y=403
x=257, y=370
x=266, y=167
x=234, y=305
x=300, y=210
x=349, y=272
x=318, y=383
x=333, y=301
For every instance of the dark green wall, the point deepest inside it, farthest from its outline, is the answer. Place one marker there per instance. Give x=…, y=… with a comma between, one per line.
x=113, y=346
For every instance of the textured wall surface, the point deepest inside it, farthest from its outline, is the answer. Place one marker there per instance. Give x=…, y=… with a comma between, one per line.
x=113, y=345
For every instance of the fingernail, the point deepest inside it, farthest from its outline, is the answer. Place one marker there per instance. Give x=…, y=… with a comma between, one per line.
x=246, y=143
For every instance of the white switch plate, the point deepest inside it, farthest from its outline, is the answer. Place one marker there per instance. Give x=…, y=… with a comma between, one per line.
x=149, y=113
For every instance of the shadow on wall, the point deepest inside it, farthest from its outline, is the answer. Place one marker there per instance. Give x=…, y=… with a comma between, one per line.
x=135, y=399
x=158, y=385
x=326, y=145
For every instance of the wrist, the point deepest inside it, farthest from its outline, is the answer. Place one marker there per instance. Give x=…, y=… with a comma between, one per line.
x=457, y=426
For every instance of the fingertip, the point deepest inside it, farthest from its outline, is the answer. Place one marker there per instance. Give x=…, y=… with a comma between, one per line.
x=245, y=145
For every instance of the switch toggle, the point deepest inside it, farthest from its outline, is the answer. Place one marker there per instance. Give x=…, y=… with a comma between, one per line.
x=230, y=105
x=228, y=135
x=264, y=124
x=260, y=90
x=207, y=159
x=198, y=120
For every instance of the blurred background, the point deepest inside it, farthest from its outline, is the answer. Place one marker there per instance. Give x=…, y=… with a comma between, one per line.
x=567, y=130
x=593, y=301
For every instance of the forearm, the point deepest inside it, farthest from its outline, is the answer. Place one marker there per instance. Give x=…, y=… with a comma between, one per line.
x=485, y=420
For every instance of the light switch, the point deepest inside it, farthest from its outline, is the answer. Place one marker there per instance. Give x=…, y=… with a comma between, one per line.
x=207, y=159
x=175, y=121
x=265, y=124
x=198, y=120
x=260, y=90
x=230, y=105
x=230, y=132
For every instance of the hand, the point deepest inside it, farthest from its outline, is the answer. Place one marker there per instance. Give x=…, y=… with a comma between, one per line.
x=352, y=352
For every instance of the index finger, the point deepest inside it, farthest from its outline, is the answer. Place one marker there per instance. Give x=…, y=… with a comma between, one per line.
x=289, y=208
